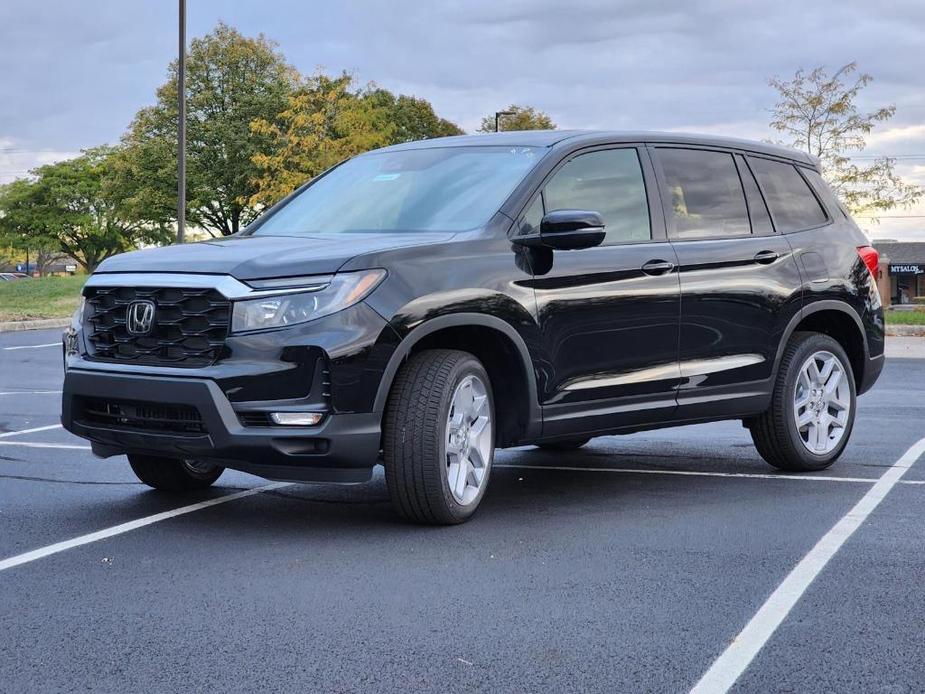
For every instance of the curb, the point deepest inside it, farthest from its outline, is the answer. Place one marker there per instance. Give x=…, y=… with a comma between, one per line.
x=43, y=323
x=905, y=330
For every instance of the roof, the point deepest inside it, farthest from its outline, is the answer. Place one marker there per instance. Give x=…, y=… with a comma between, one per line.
x=902, y=252
x=549, y=138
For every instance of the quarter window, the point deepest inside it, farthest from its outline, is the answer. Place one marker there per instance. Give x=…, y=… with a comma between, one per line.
x=793, y=205
x=705, y=194
x=608, y=182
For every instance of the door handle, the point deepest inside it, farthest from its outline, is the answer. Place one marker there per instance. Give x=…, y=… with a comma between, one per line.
x=766, y=257
x=657, y=267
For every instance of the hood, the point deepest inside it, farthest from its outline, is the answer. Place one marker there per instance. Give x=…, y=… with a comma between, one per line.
x=263, y=257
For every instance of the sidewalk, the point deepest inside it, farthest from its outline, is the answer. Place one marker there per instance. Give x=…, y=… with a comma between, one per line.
x=905, y=347
x=43, y=324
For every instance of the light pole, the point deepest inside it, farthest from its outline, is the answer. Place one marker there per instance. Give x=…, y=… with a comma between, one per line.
x=181, y=129
x=498, y=115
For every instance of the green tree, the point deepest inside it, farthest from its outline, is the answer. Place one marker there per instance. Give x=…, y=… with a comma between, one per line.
x=328, y=119
x=232, y=80
x=66, y=208
x=521, y=118
x=24, y=227
x=818, y=114
x=413, y=118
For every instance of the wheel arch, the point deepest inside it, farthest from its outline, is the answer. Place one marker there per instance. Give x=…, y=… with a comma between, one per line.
x=519, y=417
x=840, y=321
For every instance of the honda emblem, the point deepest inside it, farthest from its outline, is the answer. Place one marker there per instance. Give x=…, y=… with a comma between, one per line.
x=139, y=317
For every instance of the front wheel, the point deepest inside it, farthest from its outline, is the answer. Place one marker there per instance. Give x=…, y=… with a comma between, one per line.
x=174, y=474
x=439, y=437
x=812, y=406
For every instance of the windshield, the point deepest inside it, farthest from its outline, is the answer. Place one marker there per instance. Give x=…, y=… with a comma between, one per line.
x=439, y=189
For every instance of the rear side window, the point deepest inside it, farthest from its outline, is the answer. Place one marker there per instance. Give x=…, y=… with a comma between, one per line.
x=609, y=182
x=757, y=210
x=791, y=201
x=824, y=192
x=705, y=194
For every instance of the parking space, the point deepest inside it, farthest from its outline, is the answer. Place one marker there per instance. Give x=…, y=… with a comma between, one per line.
x=630, y=565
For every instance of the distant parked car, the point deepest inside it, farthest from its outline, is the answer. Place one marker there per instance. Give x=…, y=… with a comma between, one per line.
x=10, y=276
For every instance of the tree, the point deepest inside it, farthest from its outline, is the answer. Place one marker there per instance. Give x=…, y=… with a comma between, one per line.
x=328, y=119
x=67, y=207
x=819, y=114
x=23, y=228
x=414, y=118
x=232, y=80
x=522, y=118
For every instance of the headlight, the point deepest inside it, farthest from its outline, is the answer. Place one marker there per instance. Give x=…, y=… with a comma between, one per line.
x=277, y=310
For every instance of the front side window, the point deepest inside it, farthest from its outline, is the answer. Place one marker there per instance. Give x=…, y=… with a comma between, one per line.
x=793, y=205
x=705, y=194
x=436, y=189
x=609, y=182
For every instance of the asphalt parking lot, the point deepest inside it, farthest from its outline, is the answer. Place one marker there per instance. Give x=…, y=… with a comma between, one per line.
x=631, y=565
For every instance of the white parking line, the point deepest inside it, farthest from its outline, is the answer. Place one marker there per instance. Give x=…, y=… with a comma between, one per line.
x=34, y=444
x=736, y=658
x=49, y=344
x=7, y=434
x=694, y=473
x=48, y=550
x=31, y=392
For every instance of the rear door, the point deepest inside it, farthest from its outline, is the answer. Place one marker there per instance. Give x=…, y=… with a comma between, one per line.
x=740, y=284
x=609, y=314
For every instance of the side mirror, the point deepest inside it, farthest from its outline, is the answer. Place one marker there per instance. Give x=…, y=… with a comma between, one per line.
x=567, y=230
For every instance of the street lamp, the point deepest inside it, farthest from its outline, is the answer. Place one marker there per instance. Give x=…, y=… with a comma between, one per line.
x=498, y=115
x=181, y=128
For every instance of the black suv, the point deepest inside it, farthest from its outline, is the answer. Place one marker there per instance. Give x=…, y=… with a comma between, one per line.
x=421, y=305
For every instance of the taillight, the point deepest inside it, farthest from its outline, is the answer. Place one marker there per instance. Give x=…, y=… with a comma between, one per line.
x=871, y=259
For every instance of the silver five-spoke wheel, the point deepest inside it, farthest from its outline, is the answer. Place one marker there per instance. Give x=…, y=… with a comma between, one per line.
x=822, y=402
x=468, y=440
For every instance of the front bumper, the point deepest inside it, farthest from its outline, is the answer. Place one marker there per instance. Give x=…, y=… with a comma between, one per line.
x=342, y=448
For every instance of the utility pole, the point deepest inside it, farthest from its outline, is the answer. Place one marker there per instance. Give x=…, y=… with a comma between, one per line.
x=498, y=115
x=181, y=129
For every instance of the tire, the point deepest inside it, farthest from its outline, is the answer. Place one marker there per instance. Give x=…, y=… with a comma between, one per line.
x=777, y=436
x=563, y=446
x=421, y=460
x=173, y=474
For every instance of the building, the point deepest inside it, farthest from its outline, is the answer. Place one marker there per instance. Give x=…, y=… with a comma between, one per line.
x=902, y=272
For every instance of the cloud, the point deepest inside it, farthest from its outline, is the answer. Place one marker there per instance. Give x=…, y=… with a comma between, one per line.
x=75, y=73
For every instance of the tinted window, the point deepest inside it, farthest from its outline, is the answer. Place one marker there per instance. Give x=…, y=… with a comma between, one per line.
x=824, y=191
x=705, y=193
x=609, y=182
x=435, y=189
x=757, y=210
x=530, y=222
x=793, y=205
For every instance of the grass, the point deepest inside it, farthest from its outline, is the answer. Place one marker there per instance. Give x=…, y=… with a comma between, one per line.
x=50, y=297
x=916, y=317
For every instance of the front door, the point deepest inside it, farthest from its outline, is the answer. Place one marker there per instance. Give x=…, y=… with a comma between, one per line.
x=608, y=315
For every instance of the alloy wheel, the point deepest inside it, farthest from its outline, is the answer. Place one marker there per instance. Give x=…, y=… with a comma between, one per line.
x=822, y=402
x=469, y=440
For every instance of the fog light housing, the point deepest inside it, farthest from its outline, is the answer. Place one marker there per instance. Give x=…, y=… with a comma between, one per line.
x=296, y=419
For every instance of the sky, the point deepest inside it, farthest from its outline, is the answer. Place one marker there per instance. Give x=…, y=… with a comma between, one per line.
x=72, y=74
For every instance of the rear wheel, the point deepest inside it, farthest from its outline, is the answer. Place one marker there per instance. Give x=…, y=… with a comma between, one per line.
x=812, y=407
x=439, y=437
x=562, y=446
x=174, y=474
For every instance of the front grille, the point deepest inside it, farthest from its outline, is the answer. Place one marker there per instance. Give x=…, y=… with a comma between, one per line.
x=190, y=326
x=125, y=414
